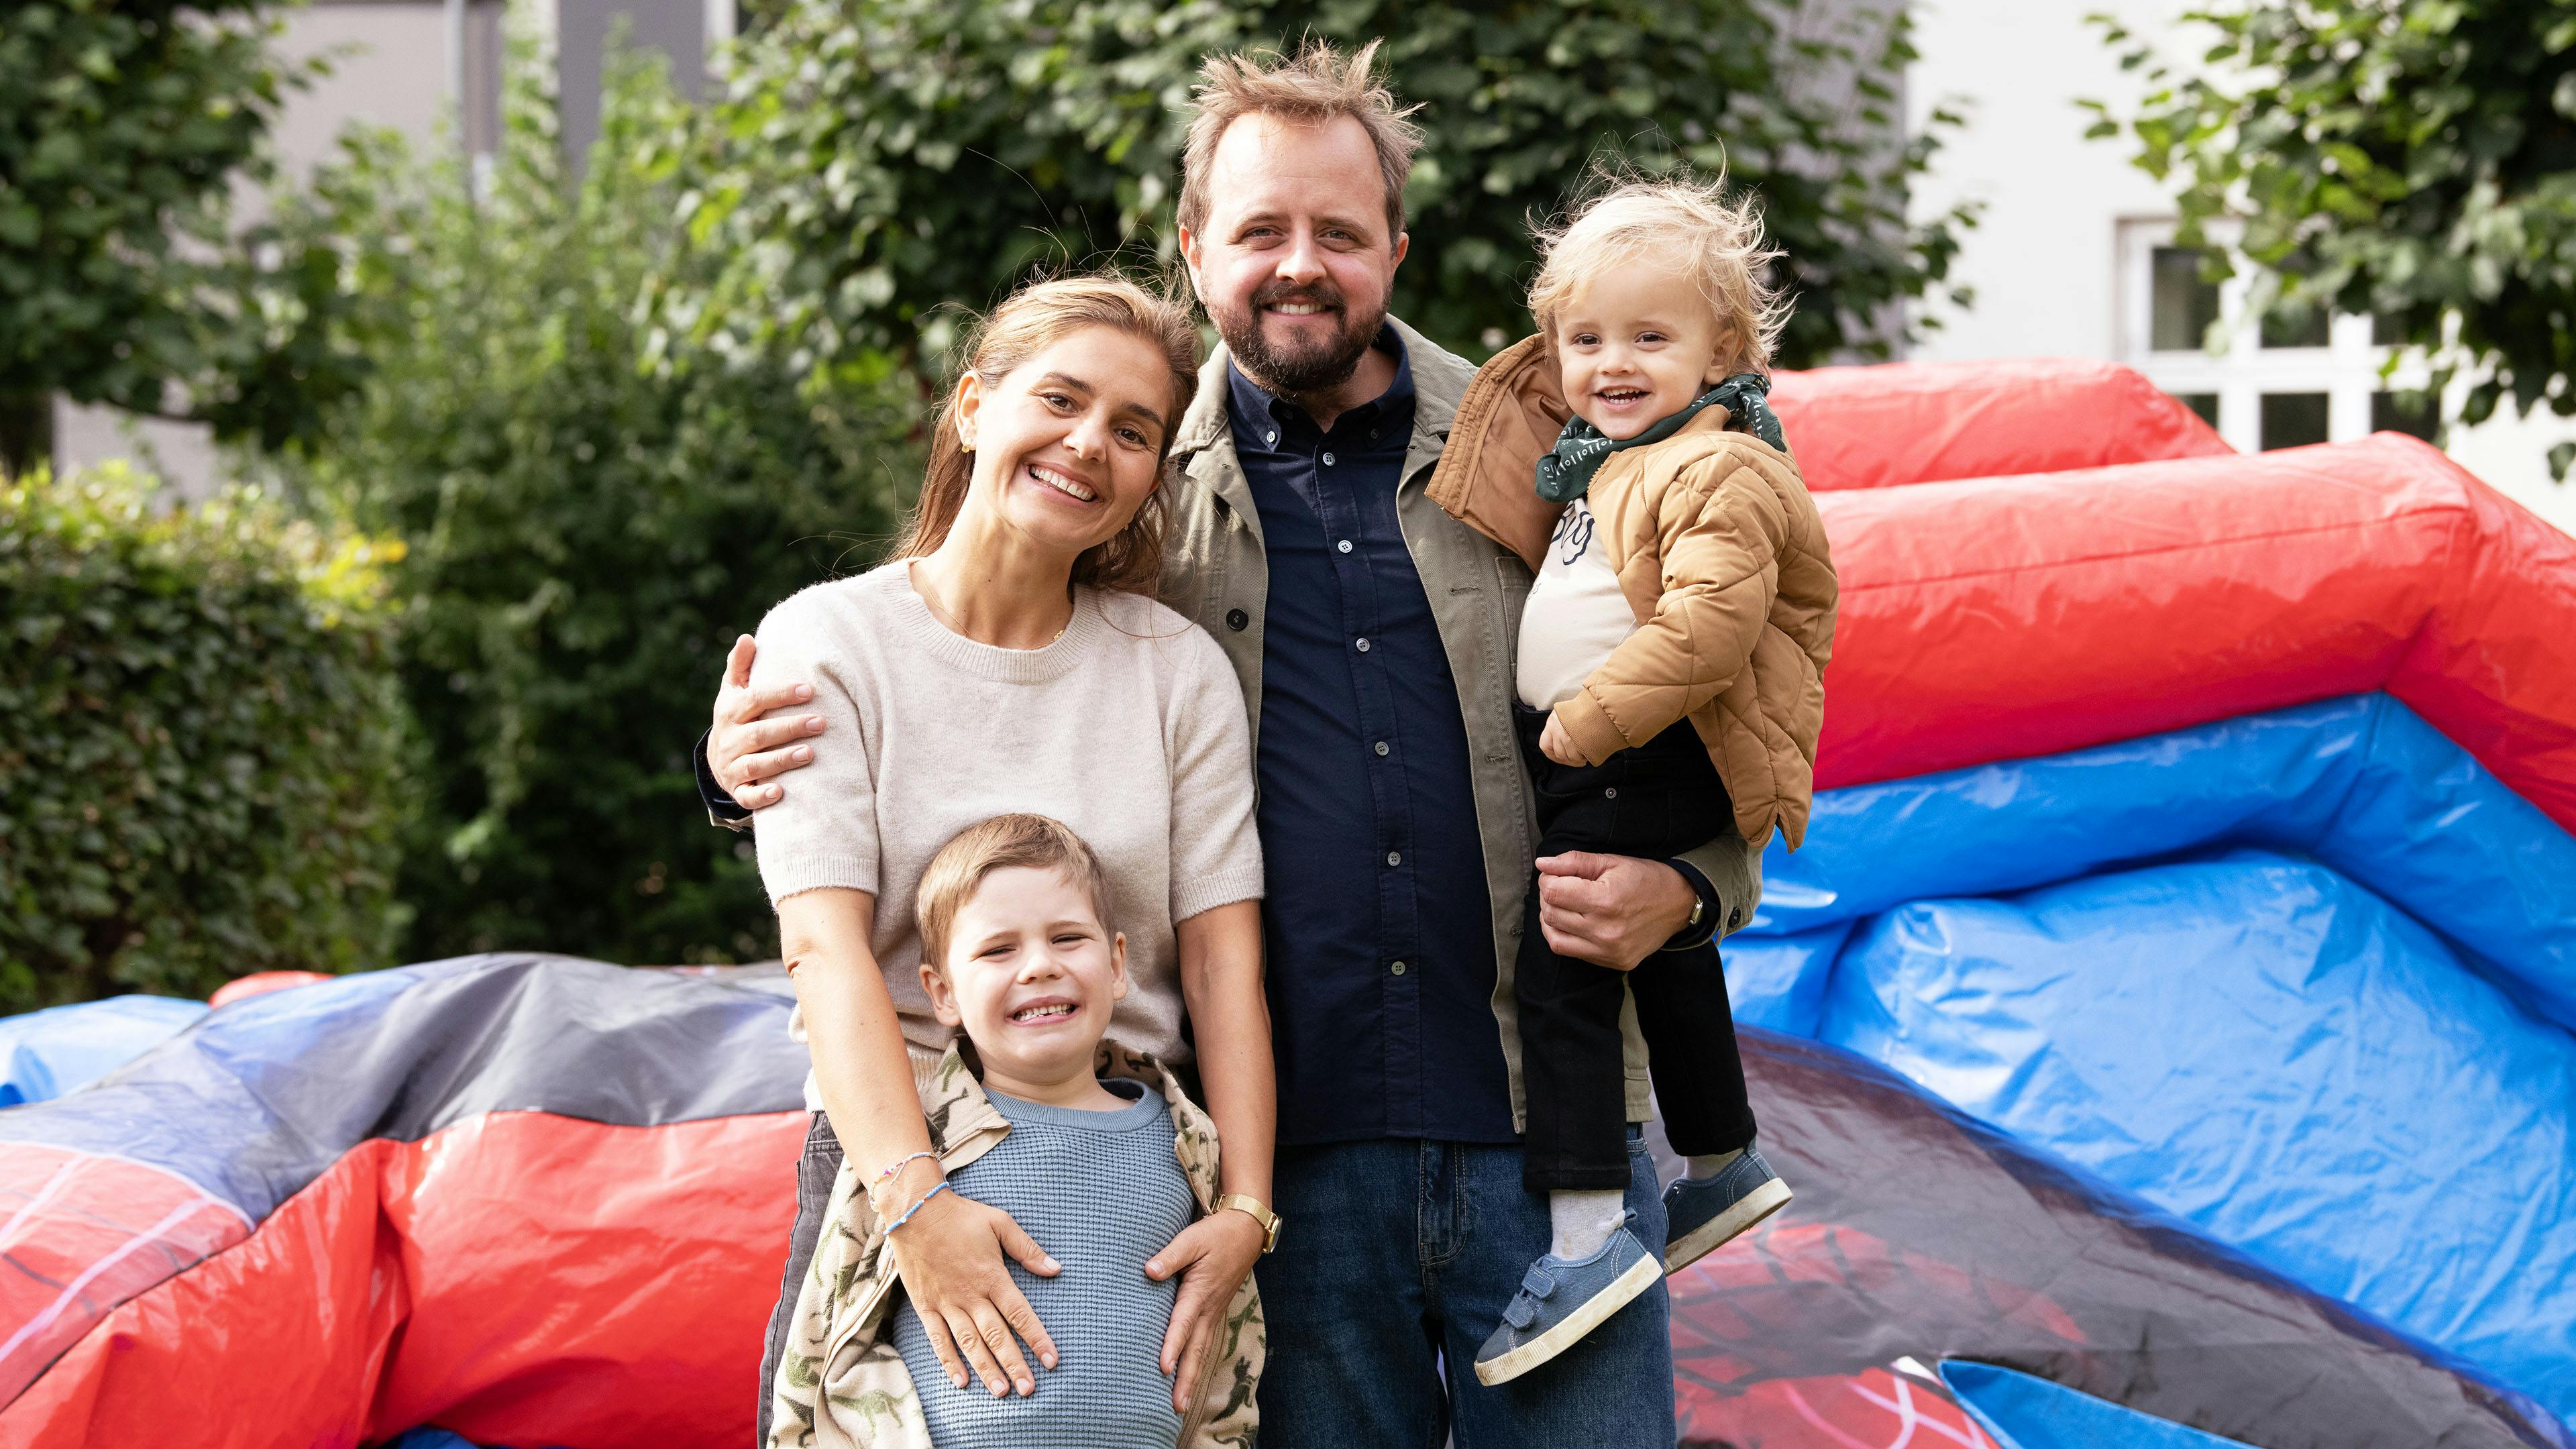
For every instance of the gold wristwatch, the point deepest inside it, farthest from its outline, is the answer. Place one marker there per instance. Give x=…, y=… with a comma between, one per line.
x=1245, y=1203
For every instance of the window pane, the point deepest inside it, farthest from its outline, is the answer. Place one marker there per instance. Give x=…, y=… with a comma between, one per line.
x=2182, y=306
x=2203, y=403
x=2286, y=329
x=2401, y=412
x=2293, y=419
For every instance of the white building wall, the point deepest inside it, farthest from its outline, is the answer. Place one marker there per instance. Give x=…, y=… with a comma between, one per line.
x=2045, y=259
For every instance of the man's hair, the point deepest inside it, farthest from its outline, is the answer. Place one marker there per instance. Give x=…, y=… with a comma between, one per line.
x=1003, y=842
x=1690, y=225
x=1316, y=85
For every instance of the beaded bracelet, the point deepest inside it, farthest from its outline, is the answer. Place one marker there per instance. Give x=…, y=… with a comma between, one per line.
x=900, y=1163
x=916, y=1207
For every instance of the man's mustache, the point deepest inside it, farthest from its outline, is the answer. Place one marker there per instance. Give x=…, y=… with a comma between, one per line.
x=1274, y=294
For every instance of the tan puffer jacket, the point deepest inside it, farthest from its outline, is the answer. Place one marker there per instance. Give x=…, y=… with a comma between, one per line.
x=1723, y=560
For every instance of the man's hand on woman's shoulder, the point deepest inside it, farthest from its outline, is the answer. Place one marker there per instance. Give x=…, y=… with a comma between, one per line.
x=747, y=752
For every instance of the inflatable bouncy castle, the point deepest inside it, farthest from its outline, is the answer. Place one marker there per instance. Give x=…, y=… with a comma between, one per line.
x=2169, y=1027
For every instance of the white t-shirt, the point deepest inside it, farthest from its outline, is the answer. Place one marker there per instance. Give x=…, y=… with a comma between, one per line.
x=1575, y=616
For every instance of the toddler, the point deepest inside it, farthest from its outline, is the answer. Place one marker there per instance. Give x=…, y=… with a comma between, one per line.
x=1670, y=672
x=1093, y=1150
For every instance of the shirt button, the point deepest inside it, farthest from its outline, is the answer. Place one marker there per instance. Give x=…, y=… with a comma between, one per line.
x=1237, y=620
x=1328, y=460
x=1610, y=794
x=1381, y=748
x=1270, y=437
x=1395, y=857
x=1363, y=646
x=1396, y=969
x=1345, y=545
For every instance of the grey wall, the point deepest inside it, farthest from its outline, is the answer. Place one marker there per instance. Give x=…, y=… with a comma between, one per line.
x=677, y=28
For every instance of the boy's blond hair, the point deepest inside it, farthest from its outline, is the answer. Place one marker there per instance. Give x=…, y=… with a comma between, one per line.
x=1004, y=842
x=1715, y=242
x=1313, y=86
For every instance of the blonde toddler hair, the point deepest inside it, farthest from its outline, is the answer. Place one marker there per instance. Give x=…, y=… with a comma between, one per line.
x=1716, y=243
x=1004, y=842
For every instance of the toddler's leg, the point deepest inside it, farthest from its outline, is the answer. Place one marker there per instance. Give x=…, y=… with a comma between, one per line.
x=1572, y=1078
x=1690, y=1045
x=1699, y=1086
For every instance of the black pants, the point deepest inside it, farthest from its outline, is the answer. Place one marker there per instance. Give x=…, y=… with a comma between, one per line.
x=1654, y=801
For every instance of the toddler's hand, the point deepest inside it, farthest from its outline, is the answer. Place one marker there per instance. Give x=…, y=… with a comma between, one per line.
x=1557, y=745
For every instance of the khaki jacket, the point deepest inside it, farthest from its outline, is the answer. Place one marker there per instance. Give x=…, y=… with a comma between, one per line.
x=841, y=1383
x=1216, y=574
x=1722, y=557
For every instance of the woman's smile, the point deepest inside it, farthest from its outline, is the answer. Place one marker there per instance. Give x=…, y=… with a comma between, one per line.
x=1061, y=482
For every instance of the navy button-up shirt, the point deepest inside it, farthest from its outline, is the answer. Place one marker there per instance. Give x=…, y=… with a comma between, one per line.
x=1378, y=925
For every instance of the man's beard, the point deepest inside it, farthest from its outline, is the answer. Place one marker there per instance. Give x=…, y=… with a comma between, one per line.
x=1301, y=367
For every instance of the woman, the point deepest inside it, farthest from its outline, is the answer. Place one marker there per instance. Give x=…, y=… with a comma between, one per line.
x=1009, y=657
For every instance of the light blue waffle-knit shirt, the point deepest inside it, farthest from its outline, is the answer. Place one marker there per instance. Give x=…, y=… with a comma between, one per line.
x=1102, y=1192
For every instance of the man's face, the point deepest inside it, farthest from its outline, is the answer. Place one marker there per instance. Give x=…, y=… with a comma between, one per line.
x=1294, y=261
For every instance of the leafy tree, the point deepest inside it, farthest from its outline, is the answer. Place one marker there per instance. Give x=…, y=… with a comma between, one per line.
x=881, y=157
x=123, y=125
x=2413, y=159
x=586, y=534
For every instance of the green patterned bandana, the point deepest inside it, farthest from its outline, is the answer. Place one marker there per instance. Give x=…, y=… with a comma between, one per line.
x=1566, y=473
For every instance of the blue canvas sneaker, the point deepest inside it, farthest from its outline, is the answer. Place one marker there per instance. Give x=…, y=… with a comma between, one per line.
x=1561, y=1301
x=1707, y=1212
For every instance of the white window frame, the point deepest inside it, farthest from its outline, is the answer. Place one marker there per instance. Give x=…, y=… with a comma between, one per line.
x=2241, y=370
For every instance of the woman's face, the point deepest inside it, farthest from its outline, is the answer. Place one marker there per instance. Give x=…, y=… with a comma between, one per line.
x=1069, y=444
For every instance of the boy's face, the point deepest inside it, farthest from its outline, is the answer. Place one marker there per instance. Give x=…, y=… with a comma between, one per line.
x=1032, y=975
x=1634, y=346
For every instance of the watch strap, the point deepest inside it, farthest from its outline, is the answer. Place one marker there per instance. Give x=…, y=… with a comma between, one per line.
x=1259, y=1212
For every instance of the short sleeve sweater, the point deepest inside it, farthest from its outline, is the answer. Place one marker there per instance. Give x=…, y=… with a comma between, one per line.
x=1129, y=728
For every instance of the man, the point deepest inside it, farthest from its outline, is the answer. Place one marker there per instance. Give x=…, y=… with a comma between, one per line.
x=1373, y=636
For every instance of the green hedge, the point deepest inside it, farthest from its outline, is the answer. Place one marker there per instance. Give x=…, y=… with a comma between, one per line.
x=200, y=744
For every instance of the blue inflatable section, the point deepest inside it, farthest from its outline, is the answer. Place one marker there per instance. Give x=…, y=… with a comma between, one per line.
x=2359, y=783
x=2267, y=1049
x=2304, y=978
x=44, y=1054
x=2022, y=1411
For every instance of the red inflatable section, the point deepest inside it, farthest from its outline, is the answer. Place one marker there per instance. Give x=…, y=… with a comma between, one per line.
x=1929, y=422
x=2007, y=617
x=521, y=1317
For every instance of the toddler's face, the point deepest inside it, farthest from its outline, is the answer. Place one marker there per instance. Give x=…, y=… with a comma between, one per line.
x=1634, y=346
x=1032, y=975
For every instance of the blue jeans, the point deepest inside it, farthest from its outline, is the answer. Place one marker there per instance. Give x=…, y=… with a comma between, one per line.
x=1394, y=1265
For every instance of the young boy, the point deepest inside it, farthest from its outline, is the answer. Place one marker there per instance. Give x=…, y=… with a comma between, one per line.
x=1670, y=674
x=1094, y=1151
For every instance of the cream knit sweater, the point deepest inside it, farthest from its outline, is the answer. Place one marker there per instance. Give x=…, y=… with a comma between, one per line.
x=1130, y=729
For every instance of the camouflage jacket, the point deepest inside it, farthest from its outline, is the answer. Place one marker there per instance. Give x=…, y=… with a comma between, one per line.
x=842, y=1385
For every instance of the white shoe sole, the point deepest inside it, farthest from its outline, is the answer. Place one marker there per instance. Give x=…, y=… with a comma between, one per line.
x=1718, y=1231
x=1622, y=1291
